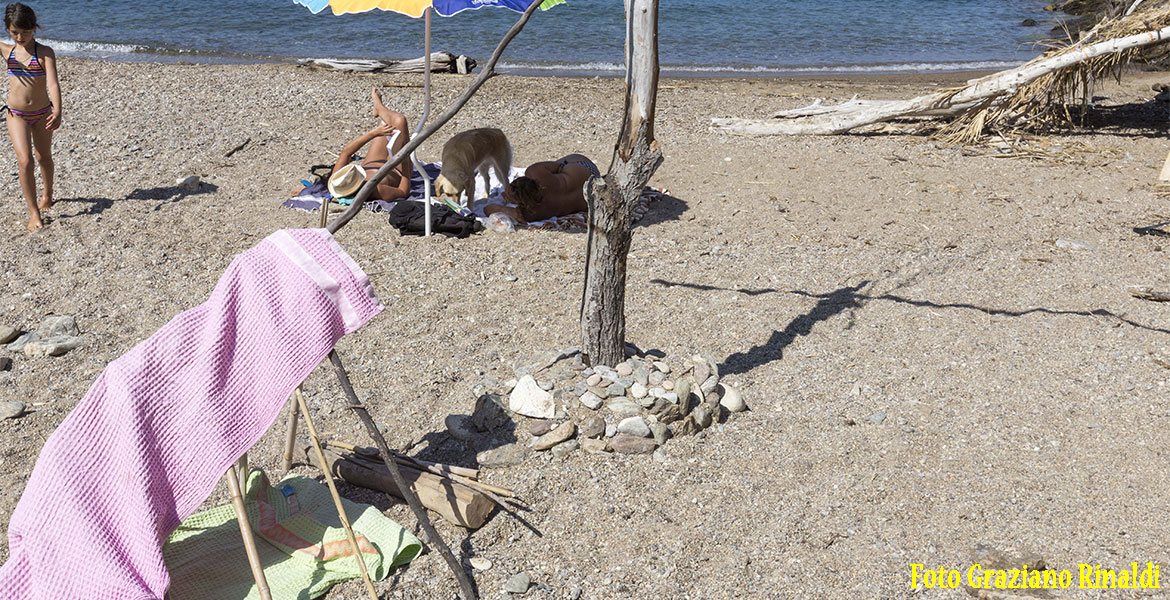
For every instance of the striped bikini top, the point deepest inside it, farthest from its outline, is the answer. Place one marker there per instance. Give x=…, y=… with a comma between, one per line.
x=34, y=68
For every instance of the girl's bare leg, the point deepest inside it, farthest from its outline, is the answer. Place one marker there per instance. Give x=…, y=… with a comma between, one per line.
x=379, y=149
x=42, y=138
x=18, y=130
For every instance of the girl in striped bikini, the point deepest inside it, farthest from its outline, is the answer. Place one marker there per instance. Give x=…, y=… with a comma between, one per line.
x=34, y=106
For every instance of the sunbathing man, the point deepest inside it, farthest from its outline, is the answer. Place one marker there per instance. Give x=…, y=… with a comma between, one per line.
x=548, y=189
x=396, y=183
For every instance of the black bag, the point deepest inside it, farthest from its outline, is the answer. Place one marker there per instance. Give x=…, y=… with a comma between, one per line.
x=409, y=218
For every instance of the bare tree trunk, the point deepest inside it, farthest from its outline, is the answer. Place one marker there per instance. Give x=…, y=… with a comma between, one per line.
x=612, y=199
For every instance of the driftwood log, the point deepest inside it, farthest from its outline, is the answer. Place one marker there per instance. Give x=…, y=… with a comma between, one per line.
x=818, y=120
x=612, y=198
x=455, y=503
x=441, y=62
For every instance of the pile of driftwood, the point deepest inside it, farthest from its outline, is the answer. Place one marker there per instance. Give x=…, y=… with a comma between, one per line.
x=441, y=62
x=1035, y=95
x=455, y=493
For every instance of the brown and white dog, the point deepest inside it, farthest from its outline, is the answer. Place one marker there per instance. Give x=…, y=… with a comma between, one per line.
x=467, y=152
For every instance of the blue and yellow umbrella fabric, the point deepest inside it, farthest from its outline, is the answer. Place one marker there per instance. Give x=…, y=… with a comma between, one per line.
x=415, y=8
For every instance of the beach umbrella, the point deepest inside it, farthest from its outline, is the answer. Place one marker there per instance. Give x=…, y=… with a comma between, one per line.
x=415, y=9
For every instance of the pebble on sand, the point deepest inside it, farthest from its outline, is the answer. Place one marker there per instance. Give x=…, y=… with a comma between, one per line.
x=518, y=583
x=11, y=410
x=529, y=400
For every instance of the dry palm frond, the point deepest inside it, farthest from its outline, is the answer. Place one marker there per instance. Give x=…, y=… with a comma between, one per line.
x=1060, y=98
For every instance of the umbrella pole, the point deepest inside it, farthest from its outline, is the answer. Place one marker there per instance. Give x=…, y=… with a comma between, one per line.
x=426, y=113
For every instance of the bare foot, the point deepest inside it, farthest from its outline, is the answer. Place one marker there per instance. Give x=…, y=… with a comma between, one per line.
x=34, y=223
x=45, y=204
x=377, y=96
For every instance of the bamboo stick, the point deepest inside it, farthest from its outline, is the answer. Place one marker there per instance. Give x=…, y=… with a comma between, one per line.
x=433, y=537
x=324, y=464
x=246, y=531
x=403, y=458
x=291, y=440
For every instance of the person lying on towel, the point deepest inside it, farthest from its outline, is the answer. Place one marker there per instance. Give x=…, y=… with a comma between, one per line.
x=547, y=189
x=385, y=140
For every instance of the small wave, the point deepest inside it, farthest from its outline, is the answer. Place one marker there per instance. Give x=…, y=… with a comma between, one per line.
x=675, y=69
x=589, y=66
x=92, y=48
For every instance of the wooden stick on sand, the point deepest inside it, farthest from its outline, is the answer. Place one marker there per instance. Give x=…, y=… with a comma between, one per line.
x=246, y=531
x=324, y=464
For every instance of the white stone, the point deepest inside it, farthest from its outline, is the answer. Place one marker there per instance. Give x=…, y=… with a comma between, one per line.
x=593, y=379
x=58, y=326
x=55, y=346
x=634, y=426
x=656, y=392
x=732, y=400
x=480, y=564
x=661, y=366
x=188, y=184
x=591, y=400
x=529, y=400
x=638, y=390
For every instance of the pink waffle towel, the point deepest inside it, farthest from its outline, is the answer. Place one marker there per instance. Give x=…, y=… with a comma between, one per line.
x=160, y=426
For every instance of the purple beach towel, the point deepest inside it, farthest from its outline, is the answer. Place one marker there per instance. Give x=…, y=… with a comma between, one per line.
x=160, y=426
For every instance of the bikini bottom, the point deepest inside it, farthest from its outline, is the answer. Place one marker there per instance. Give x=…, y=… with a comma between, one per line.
x=32, y=117
x=588, y=164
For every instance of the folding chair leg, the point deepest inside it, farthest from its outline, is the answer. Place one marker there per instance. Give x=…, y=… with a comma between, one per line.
x=291, y=441
x=246, y=531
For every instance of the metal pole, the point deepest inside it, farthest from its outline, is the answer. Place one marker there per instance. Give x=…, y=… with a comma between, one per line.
x=426, y=113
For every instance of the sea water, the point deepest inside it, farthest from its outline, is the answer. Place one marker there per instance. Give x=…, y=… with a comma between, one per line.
x=696, y=37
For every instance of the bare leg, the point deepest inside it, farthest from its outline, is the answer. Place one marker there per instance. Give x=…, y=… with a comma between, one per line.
x=18, y=130
x=42, y=138
x=396, y=184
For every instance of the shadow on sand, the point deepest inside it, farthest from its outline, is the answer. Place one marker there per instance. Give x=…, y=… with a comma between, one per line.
x=166, y=195
x=846, y=298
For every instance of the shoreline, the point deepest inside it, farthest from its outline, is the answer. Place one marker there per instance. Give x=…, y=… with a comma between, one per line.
x=956, y=75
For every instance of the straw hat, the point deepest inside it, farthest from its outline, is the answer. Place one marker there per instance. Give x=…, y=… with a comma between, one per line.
x=347, y=180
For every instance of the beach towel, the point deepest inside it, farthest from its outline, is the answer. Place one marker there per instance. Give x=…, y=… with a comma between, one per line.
x=162, y=423
x=299, y=539
x=310, y=199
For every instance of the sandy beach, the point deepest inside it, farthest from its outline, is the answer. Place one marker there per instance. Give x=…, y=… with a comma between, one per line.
x=937, y=344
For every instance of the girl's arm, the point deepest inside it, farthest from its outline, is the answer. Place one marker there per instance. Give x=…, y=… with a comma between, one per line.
x=357, y=143
x=53, y=121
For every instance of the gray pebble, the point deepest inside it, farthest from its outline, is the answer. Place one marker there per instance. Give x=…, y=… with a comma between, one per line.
x=565, y=448
x=592, y=427
x=504, y=456
x=518, y=583
x=11, y=410
x=634, y=426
